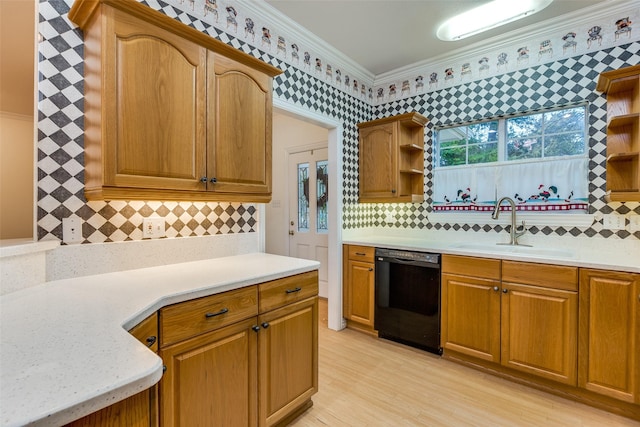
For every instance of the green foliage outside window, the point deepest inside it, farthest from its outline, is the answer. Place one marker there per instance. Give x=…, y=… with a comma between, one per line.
x=535, y=136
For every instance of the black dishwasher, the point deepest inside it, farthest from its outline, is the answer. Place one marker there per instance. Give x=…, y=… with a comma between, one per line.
x=407, y=297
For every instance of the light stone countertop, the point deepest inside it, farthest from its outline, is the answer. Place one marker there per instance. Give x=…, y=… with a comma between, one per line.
x=64, y=349
x=606, y=254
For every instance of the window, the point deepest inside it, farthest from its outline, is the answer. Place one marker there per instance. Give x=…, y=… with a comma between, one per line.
x=539, y=160
x=554, y=133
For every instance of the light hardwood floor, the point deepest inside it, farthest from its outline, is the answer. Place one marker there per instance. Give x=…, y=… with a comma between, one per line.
x=364, y=381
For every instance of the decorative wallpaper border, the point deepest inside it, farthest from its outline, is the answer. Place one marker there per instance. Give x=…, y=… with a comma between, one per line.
x=607, y=30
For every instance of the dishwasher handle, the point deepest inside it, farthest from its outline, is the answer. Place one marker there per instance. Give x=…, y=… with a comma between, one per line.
x=417, y=263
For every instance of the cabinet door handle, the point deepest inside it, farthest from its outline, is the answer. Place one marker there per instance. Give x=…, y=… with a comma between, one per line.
x=255, y=328
x=223, y=311
x=204, y=179
x=151, y=340
x=265, y=325
x=505, y=290
x=214, y=180
x=292, y=291
x=370, y=269
x=495, y=288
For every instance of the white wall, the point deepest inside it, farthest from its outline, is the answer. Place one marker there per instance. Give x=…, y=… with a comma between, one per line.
x=288, y=132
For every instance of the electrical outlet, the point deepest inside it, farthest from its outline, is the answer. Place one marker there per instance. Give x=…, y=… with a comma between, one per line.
x=153, y=228
x=634, y=223
x=72, y=229
x=613, y=222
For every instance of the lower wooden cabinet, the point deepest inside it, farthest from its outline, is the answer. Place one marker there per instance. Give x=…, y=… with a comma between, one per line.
x=288, y=360
x=520, y=315
x=539, y=331
x=211, y=379
x=359, y=286
x=471, y=316
x=609, y=349
x=255, y=371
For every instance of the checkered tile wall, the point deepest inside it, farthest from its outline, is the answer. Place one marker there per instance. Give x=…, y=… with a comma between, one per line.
x=564, y=82
x=60, y=161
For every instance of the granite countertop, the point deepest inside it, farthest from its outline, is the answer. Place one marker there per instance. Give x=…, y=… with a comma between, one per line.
x=607, y=254
x=64, y=347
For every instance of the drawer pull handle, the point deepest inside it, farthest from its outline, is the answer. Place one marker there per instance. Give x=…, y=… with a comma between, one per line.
x=210, y=315
x=151, y=340
x=292, y=291
x=361, y=254
x=264, y=325
x=255, y=328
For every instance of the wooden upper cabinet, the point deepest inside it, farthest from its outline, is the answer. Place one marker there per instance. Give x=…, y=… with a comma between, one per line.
x=171, y=113
x=239, y=148
x=378, y=165
x=154, y=122
x=391, y=165
x=622, y=88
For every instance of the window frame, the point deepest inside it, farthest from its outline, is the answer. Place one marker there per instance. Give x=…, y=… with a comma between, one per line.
x=503, y=139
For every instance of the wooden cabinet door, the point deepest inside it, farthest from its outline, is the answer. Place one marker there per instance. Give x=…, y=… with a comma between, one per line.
x=153, y=107
x=239, y=114
x=361, y=292
x=471, y=316
x=378, y=162
x=211, y=379
x=610, y=334
x=539, y=331
x=288, y=363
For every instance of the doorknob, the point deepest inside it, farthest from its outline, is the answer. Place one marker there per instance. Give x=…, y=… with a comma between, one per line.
x=291, y=233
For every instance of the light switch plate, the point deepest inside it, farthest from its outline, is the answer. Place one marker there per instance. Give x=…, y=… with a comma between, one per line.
x=613, y=222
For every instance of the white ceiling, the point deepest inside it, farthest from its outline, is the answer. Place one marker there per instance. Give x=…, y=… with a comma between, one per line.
x=382, y=36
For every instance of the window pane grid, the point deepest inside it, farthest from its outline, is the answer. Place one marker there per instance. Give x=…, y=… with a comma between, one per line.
x=555, y=133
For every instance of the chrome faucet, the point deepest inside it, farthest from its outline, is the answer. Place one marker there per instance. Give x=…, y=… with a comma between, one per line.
x=513, y=233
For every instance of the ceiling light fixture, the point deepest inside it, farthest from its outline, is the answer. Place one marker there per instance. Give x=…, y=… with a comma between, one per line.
x=488, y=16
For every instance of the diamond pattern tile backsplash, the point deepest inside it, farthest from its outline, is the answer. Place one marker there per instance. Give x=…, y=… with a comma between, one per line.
x=60, y=161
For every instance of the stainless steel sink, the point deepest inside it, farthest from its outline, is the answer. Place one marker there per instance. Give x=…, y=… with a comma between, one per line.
x=530, y=251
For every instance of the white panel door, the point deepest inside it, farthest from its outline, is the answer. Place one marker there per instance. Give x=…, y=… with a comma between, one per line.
x=308, y=208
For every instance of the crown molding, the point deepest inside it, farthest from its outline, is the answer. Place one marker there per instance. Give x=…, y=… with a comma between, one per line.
x=554, y=25
x=303, y=36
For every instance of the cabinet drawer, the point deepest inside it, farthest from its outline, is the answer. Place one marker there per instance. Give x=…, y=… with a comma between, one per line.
x=190, y=318
x=484, y=268
x=362, y=253
x=549, y=276
x=281, y=292
x=147, y=332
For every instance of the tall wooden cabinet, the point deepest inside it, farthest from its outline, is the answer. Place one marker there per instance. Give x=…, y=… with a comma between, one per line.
x=170, y=113
x=359, y=286
x=609, y=349
x=391, y=165
x=622, y=88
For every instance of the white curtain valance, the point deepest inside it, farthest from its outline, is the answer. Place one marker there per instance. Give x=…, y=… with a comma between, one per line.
x=553, y=185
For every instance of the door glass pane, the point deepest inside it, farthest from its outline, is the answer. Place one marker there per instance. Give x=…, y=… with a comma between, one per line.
x=303, y=197
x=322, y=187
